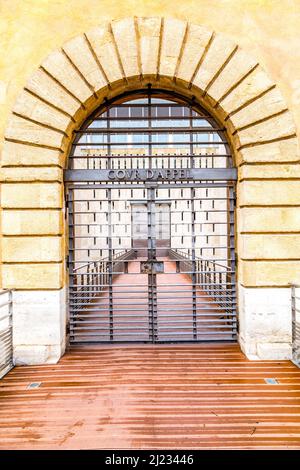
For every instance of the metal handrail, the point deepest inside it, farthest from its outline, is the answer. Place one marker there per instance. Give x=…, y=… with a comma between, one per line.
x=115, y=257
x=6, y=338
x=211, y=280
x=295, y=310
x=182, y=253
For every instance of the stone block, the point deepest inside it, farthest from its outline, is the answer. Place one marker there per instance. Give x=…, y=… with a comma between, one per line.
x=32, y=195
x=217, y=54
x=32, y=276
x=253, y=85
x=79, y=52
x=269, y=273
x=274, y=351
x=26, y=131
x=268, y=105
x=30, y=106
x=269, y=193
x=284, y=171
x=269, y=219
x=32, y=249
x=265, y=321
x=149, y=33
x=41, y=174
x=196, y=42
x=17, y=154
x=39, y=317
x=273, y=246
x=36, y=354
x=239, y=65
x=63, y=71
x=44, y=86
x=279, y=151
x=171, y=43
x=32, y=222
x=275, y=128
x=126, y=40
x=103, y=44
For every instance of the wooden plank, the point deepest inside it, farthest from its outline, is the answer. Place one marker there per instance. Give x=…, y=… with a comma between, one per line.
x=200, y=396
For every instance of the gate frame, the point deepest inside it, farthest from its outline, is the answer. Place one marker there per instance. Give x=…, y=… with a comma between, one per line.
x=101, y=64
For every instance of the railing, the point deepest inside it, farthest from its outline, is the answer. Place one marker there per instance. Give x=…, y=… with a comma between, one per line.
x=6, y=342
x=211, y=277
x=295, y=299
x=92, y=277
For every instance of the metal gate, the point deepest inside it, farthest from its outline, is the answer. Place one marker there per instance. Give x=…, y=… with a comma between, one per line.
x=150, y=193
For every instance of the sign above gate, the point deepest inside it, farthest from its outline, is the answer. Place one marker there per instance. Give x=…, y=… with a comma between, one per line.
x=156, y=174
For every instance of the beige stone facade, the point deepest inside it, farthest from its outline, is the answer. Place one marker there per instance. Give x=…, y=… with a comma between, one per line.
x=100, y=59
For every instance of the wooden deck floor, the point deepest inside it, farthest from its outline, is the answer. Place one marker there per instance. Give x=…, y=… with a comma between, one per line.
x=152, y=397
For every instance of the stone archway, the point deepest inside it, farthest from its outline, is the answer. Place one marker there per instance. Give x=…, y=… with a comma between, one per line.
x=68, y=86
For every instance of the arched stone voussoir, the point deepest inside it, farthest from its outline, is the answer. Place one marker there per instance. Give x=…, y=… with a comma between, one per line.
x=31, y=107
x=127, y=47
x=127, y=54
x=25, y=131
x=83, y=57
x=280, y=126
x=61, y=68
x=104, y=47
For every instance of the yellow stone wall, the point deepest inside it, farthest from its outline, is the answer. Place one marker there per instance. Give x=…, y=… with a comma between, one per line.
x=262, y=133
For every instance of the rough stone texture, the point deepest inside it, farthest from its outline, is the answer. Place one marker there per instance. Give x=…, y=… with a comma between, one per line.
x=239, y=65
x=32, y=276
x=44, y=86
x=265, y=322
x=273, y=351
x=44, y=195
x=32, y=107
x=251, y=87
x=102, y=42
x=269, y=104
x=39, y=329
x=32, y=249
x=40, y=321
x=268, y=219
x=15, y=154
x=269, y=171
x=31, y=174
x=269, y=273
x=32, y=222
x=215, y=58
x=172, y=38
x=79, y=52
x=125, y=37
x=252, y=193
x=272, y=246
x=279, y=151
x=149, y=34
x=60, y=68
x=196, y=41
x=26, y=131
x=277, y=127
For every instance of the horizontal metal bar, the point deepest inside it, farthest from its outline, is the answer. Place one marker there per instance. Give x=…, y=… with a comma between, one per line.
x=180, y=174
x=189, y=131
x=172, y=308
x=158, y=185
x=76, y=316
x=125, y=144
x=188, y=155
